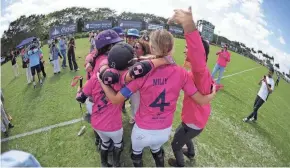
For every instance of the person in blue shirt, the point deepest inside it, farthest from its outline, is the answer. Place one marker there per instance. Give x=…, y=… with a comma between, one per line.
x=62, y=48
x=34, y=54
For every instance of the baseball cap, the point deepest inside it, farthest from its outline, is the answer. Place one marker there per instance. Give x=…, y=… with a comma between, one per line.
x=133, y=32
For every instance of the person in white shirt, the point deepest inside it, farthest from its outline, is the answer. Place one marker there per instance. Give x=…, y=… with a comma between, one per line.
x=267, y=87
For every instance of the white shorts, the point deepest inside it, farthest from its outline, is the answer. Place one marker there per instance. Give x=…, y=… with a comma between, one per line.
x=89, y=106
x=154, y=139
x=116, y=136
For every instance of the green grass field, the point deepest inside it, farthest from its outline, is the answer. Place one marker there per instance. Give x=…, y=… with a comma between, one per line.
x=226, y=141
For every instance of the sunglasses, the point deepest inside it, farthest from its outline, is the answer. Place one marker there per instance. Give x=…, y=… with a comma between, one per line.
x=136, y=47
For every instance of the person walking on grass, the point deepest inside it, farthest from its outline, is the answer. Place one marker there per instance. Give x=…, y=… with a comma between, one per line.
x=25, y=64
x=14, y=63
x=33, y=55
x=71, y=55
x=223, y=58
x=55, y=54
x=267, y=87
x=277, y=81
x=62, y=48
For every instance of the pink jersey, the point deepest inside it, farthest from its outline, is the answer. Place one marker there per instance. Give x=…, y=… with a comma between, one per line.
x=193, y=113
x=224, y=58
x=159, y=92
x=105, y=115
x=102, y=59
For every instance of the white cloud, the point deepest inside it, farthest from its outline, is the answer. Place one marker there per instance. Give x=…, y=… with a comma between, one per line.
x=240, y=20
x=281, y=40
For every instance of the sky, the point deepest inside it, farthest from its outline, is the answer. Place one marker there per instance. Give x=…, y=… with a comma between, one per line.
x=262, y=24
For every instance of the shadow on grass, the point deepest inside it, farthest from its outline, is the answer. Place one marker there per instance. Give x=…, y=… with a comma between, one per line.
x=233, y=96
x=12, y=80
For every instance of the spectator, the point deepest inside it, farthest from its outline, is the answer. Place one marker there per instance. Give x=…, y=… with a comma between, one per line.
x=25, y=62
x=277, y=81
x=34, y=62
x=62, y=48
x=14, y=63
x=42, y=63
x=223, y=58
x=92, y=43
x=55, y=54
x=71, y=55
x=267, y=87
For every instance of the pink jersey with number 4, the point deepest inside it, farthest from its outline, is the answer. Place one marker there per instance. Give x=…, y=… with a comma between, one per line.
x=105, y=115
x=159, y=92
x=192, y=112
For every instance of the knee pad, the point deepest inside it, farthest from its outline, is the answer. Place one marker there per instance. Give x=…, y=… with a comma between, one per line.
x=109, y=76
x=140, y=69
x=119, y=144
x=105, y=145
x=160, y=150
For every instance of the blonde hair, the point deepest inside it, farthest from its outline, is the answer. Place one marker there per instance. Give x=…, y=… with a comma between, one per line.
x=161, y=43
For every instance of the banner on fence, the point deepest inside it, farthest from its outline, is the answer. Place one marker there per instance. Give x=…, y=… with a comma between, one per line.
x=128, y=24
x=62, y=30
x=175, y=30
x=151, y=26
x=98, y=25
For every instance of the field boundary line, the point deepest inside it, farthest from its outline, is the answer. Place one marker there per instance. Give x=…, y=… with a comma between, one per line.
x=79, y=119
x=42, y=129
x=226, y=76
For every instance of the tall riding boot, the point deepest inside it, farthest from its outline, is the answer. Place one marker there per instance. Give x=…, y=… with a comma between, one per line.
x=116, y=156
x=178, y=161
x=159, y=158
x=104, y=158
x=137, y=160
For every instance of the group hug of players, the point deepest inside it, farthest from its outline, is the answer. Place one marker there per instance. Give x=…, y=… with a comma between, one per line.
x=143, y=69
